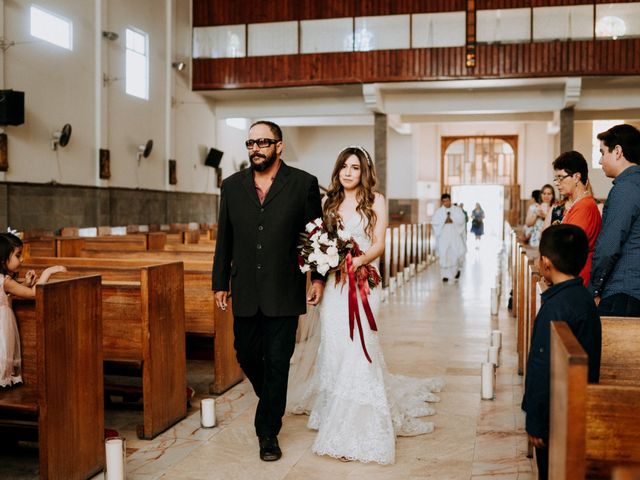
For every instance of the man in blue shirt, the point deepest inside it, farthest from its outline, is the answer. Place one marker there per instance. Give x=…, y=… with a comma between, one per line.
x=615, y=272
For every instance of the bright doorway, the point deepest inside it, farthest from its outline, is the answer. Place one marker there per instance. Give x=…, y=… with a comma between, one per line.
x=490, y=198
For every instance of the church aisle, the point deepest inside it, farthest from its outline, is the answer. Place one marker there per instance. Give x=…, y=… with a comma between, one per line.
x=428, y=329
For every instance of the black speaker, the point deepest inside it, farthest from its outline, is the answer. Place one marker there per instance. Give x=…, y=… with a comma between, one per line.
x=213, y=158
x=11, y=107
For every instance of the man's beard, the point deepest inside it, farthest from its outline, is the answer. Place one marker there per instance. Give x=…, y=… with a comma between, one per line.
x=268, y=161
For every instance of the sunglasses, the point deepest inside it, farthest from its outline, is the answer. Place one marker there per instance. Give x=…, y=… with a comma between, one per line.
x=261, y=142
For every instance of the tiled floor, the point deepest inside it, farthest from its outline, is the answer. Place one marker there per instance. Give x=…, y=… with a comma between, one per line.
x=427, y=328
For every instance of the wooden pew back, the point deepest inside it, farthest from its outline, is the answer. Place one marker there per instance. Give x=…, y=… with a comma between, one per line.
x=592, y=426
x=61, y=341
x=617, y=367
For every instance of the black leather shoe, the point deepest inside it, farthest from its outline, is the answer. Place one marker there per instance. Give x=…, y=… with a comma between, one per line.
x=445, y=279
x=458, y=275
x=269, y=449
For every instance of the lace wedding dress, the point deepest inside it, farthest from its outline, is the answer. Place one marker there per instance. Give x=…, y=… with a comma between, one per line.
x=357, y=407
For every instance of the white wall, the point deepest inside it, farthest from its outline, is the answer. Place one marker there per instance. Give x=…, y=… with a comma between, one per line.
x=64, y=86
x=582, y=140
x=59, y=89
x=194, y=122
x=535, y=150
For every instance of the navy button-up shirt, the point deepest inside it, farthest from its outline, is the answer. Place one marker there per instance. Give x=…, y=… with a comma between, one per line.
x=569, y=302
x=616, y=261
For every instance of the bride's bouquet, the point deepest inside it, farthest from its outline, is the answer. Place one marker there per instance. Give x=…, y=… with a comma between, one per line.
x=323, y=250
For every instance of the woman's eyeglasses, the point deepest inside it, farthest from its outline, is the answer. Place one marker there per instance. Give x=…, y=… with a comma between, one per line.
x=261, y=142
x=559, y=178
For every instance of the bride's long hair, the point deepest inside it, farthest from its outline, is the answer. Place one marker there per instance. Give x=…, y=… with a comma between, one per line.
x=365, y=191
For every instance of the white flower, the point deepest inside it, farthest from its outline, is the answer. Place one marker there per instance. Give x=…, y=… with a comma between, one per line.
x=322, y=258
x=323, y=269
x=313, y=257
x=343, y=234
x=305, y=268
x=334, y=260
x=324, y=239
x=316, y=236
x=332, y=251
x=310, y=226
x=318, y=222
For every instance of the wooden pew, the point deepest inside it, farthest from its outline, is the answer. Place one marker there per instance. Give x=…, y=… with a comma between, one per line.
x=143, y=330
x=202, y=318
x=61, y=342
x=626, y=473
x=136, y=242
x=531, y=310
x=143, y=325
x=593, y=425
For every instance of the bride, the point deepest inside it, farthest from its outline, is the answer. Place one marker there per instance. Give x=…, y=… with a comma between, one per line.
x=356, y=406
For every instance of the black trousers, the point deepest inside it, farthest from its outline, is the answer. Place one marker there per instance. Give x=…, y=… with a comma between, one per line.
x=542, y=460
x=264, y=346
x=619, y=305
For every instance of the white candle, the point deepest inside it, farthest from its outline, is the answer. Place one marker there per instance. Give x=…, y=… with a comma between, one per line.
x=487, y=385
x=494, y=301
x=208, y=412
x=496, y=338
x=492, y=356
x=115, y=453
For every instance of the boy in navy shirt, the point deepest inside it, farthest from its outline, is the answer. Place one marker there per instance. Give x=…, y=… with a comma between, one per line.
x=563, y=253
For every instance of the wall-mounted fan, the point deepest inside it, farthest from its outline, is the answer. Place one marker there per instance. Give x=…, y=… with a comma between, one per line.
x=145, y=150
x=61, y=137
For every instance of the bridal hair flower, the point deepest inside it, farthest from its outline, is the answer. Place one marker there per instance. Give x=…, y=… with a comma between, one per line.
x=10, y=230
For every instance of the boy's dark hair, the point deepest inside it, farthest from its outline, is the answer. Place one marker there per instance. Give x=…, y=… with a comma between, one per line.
x=625, y=135
x=537, y=195
x=566, y=246
x=275, y=129
x=444, y=196
x=573, y=162
x=8, y=243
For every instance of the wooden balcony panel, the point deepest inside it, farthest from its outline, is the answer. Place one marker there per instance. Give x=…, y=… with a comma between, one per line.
x=215, y=12
x=585, y=57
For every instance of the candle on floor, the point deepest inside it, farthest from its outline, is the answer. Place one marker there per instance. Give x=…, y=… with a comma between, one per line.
x=487, y=385
x=496, y=338
x=115, y=454
x=492, y=355
x=494, y=301
x=208, y=412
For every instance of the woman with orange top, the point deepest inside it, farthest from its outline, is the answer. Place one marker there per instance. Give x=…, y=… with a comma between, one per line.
x=571, y=175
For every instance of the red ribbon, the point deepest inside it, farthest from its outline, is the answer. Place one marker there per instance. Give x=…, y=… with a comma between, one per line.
x=354, y=312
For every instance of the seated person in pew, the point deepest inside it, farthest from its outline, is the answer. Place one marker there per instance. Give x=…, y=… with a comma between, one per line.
x=563, y=253
x=10, y=261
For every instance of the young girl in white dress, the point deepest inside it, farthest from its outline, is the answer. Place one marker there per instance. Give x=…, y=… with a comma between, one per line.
x=356, y=406
x=10, y=261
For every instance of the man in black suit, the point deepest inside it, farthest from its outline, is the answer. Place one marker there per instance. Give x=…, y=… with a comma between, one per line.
x=263, y=209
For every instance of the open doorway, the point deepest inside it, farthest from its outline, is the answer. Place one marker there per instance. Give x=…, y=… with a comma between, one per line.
x=490, y=198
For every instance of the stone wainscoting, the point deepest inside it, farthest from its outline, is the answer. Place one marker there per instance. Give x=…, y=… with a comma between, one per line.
x=26, y=206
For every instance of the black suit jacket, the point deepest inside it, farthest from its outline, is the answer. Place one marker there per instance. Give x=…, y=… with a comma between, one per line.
x=256, y=249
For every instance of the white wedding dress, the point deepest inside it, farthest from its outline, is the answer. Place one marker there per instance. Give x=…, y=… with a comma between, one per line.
x=357, y=407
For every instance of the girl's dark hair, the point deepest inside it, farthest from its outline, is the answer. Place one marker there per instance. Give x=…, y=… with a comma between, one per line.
x=535, y=194
x=8, y=243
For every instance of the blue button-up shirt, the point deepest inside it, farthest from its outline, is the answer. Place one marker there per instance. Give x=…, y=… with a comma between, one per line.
x=616, y=261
